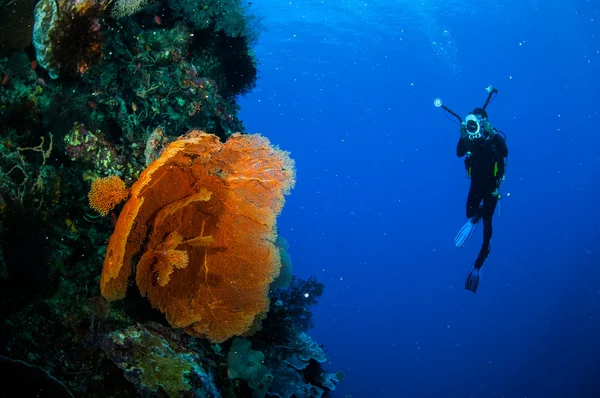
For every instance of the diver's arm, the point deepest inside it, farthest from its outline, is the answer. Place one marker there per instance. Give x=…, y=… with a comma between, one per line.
x=501, y=148
x=463, y=146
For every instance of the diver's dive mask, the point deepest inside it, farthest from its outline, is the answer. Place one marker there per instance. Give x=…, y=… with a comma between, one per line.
x=473, y=127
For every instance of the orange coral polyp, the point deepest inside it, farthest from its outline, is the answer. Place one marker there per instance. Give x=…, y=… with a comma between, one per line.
x=105, y=193
x=202, y=216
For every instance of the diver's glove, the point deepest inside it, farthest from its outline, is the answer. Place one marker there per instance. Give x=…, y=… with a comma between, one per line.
x=463, y=130
x=487, y=127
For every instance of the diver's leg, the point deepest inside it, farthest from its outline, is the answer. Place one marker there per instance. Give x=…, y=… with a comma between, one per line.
x=474, y=215
x=487, y=213
x=473, y=200
x=490, y=201
x=489, y=206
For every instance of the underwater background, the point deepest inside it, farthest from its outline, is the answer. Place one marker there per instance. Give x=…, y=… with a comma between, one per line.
x=349, y=86
x=342, y=92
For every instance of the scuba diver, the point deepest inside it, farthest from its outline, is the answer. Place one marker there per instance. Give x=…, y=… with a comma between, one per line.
x=485, y=149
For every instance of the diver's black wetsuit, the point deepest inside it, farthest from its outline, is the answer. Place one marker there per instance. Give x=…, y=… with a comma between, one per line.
x=485, y=155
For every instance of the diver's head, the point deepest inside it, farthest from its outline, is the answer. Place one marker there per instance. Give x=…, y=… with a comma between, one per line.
x=480, y=113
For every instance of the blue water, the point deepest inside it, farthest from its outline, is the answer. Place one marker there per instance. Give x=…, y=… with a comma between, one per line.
x=348, y=87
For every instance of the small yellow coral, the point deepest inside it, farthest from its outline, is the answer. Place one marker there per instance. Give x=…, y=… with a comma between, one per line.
x=106, y=193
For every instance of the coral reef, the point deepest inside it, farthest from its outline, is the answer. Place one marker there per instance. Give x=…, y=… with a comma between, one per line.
x=153, y=362
x=97, y=101
x=16, y=18
x=247, y=364
x=284, y=361
x=67, y=35
x=28, y=380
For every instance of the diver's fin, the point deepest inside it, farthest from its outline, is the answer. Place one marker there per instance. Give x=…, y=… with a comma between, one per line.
x=466, y=232
x=472, y=282
x=475, y=273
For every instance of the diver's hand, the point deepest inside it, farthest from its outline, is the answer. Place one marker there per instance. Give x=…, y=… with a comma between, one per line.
x=463, y=130
x=487, y=127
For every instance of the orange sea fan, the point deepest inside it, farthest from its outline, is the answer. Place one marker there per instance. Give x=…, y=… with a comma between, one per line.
x=202, y=216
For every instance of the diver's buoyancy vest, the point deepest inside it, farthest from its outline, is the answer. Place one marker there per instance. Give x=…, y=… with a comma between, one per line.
x=499, y=164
